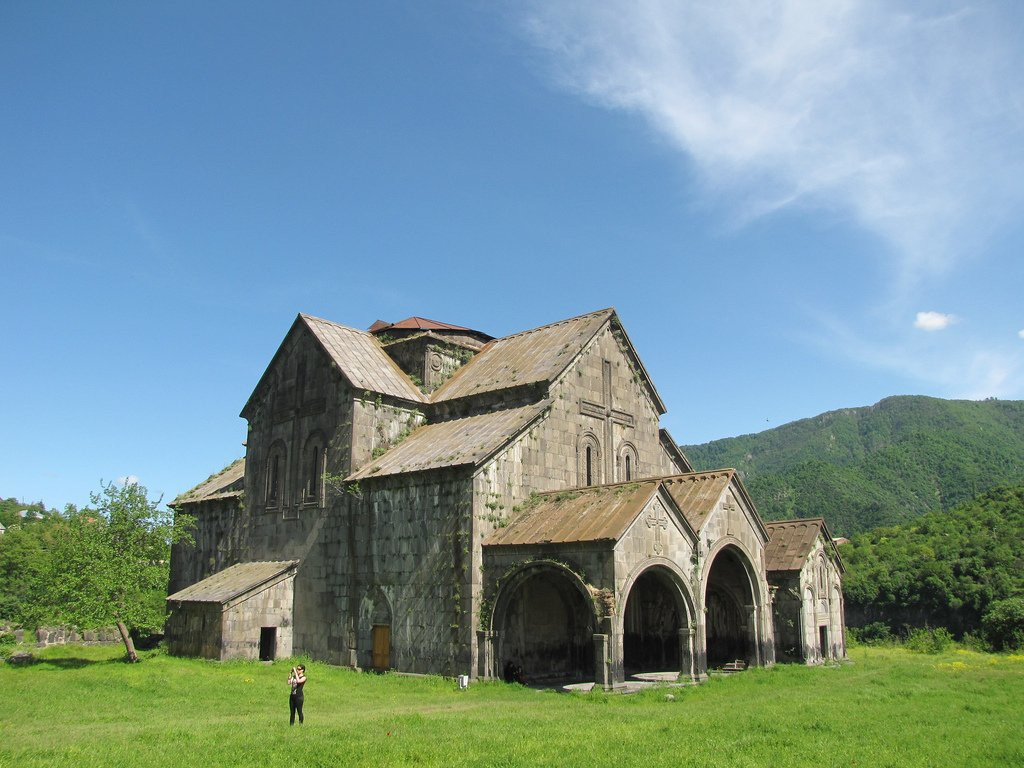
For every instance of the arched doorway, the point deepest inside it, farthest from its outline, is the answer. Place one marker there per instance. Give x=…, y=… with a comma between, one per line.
x=654, y=616
x=545, y=626
x=729, y=619
x=374, y=642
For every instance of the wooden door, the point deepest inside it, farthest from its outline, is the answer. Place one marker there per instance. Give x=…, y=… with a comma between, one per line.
x=381, y=647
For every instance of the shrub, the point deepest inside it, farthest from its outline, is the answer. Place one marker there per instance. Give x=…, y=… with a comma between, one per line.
x=6, y=644
x=929, y=640
x=875, y=633
x=1003, y=624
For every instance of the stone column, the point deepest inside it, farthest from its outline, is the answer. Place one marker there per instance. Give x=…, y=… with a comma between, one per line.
x=686, y=667
x=602, y=662
x=485, y=654
x=700, y=652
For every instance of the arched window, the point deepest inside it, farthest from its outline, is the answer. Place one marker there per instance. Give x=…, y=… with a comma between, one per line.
x=627, y=463
x=274, y=475
x=313, y=470
x=588, y=452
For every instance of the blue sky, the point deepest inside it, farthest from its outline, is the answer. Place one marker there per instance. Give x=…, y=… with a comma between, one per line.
x=795, y=207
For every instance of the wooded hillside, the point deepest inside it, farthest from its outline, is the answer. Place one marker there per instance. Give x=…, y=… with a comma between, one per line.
x=861, y=468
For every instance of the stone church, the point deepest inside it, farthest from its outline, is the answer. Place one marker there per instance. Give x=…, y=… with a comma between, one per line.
x=423, y=497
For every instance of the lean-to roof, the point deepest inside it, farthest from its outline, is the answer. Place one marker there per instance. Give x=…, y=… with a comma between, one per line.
x=453, y=443
x=227, y=483
x=233, y=582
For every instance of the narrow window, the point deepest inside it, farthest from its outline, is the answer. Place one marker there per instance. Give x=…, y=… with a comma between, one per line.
x=313, y=472
x=629, y=467
x=273, y=478
x=590, y=466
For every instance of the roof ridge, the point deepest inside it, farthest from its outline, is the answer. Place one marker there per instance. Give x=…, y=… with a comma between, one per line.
x=794, y=520
x=306, y=317
x=609, y=310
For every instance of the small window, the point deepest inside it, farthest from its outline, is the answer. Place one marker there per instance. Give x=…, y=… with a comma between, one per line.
x=629, y=467
x=588, y=461
x=274, y=480
x=313, y=472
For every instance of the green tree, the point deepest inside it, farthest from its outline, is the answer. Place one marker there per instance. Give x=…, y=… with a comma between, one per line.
x=1004, y=624
x=23, y=567
x=110, y=562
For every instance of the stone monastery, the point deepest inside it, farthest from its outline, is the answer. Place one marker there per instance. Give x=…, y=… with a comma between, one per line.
x=426, y=498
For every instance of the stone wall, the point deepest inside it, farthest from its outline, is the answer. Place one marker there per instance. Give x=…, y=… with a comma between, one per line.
x=410, y=557
x=221, y=539
x=194, y=629
x=243, y=620
x=44, y=636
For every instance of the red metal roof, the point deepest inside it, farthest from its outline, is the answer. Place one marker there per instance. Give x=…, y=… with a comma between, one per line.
x=419, y=324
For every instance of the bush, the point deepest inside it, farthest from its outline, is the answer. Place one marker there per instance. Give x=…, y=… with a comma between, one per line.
x=6, y=644
x=1003, y=624
x=929, y=640
x=875, y=633
x=975, y=642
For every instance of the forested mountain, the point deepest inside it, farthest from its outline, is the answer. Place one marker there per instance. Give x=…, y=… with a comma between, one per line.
x=888, y=463
x=945, y=569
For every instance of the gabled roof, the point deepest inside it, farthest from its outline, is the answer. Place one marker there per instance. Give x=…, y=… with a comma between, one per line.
x=361, y=360
x=598, y=513
x=529, y=357
x=697, y=493
x=792, y=541
x=233, y=582
x=358, y=356
x=227, y=483
x=459, y=442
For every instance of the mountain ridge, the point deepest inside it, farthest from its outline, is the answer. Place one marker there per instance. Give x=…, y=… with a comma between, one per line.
x=882, y=464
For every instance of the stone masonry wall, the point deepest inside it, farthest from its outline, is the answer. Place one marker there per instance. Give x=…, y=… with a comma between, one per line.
x=409, y=559
x=220, y=539
x=242, y=622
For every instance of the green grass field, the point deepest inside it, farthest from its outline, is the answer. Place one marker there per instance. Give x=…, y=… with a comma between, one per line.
x=83, y=707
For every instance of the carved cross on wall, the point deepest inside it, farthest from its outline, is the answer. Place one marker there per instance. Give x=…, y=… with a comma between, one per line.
x=658, y=520
x=606, y=412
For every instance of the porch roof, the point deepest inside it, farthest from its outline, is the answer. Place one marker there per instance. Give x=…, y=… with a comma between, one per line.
x=232, y=582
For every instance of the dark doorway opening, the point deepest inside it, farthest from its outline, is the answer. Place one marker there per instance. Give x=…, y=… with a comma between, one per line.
x=651, y=626
x=729, y=606
x=823, y=642
x=546, y=630
x=268, y=643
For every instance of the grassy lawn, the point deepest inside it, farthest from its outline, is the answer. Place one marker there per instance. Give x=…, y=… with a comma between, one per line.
x=82, y=707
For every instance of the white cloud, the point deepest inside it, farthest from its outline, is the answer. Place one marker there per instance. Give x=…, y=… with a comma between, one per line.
x=128, y=480
x=933, y=321
x=907, y=118
x=1020, y=333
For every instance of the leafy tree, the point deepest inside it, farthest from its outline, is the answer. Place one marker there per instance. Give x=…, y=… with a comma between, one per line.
x=23, y=567
x=110, y=562
x=1003, y=624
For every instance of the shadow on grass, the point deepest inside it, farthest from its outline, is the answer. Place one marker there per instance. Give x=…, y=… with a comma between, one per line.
x=62, y=662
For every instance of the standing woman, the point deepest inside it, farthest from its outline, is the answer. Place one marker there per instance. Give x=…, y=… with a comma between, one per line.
x=296, y=680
